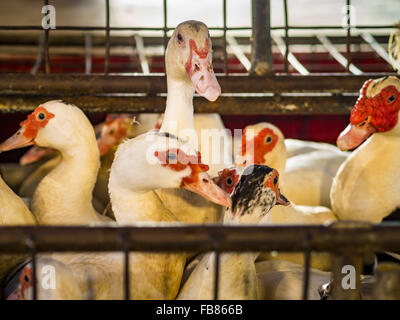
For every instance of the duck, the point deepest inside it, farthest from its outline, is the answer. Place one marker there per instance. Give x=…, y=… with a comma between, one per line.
x=142, y=165
x=55, y=282
x=256, y=192
x=264, y=143
x=13, y=212
x=189, y=69
x=366, y=185
x=64, y=196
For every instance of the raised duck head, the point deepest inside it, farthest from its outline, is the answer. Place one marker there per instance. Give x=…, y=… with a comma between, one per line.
x=189, y=58
x=263, y=144
x=54, y=124
x=376, y=110
x=256, y=192
x=159, y=160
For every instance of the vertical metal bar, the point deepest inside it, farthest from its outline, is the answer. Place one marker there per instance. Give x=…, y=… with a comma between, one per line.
x=88, y=53
x=216, y=274
x=165, y=12
x=285, y=8
x=107, y=58
x=224, y=39
x=46, y=55
x=261, y=45
x=307, y=263
x=39, y=58
x=126, y=275
x=348, y=37
x=32, y=248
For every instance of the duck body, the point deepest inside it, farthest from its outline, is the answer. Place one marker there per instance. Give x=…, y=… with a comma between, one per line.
x=366, y=185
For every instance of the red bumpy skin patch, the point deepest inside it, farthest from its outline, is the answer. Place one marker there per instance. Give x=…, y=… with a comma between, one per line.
x=228, y=179
x=380, y=110
x=25, y=280
x=201, y=53
x=273, y=183
x=36, y=120
x=178, y=160
x=263, y=143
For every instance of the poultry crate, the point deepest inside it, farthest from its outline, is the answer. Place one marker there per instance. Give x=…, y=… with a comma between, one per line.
x=313, y=87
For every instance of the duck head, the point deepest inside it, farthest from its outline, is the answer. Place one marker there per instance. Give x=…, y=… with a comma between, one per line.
x=189, y=57
x=54, y=124
x=262, y=144
x=376, y=110
x=158, y=160
x=256, y=192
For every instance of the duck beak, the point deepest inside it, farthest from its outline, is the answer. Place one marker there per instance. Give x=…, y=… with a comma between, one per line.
x=18, y=140
x=282, y=200
x=354, y=135
x=205, y=187
x=34, y=154
x=15, y=295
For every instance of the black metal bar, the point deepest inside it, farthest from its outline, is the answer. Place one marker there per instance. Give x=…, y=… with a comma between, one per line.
x=125, y=103
x=224, y=38
x=32, y=250
x=357, y=236
x=348, y=37
x=165, y=29
x=307, y=264
x=46, y=55
x=80, y=84
x=261, y=45
x=107, y=59
x=216, y=274
x=126, y=275
x=285, y=9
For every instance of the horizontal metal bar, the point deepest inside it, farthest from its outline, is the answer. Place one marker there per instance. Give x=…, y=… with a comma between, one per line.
x=267, y=104
x=20, y=83
x=98, y=40
x=337, y=238
x=77, y=28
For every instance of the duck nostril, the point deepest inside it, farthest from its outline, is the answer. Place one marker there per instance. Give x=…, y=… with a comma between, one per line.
x=205, y=180
x=196, y=67
x=201, y=78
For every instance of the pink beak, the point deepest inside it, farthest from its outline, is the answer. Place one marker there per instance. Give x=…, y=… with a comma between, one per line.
x=201, y=73
x=34, y=154
x=354, y=135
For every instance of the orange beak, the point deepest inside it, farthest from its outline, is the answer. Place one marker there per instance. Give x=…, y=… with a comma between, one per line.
x=281, y=199
x=207, y=188
x=16, y=141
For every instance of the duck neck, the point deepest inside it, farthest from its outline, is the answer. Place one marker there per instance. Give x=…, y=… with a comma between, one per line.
x=65, y=194
x=138, y=206
x=179, y=110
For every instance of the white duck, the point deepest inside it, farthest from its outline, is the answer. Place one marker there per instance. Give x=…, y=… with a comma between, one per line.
x=54, y=282
x=255, y=194
x=367, y=183
x=64, y=196
x=189, y=68
x=264, y=143
x=148, y=162
x=13, y=211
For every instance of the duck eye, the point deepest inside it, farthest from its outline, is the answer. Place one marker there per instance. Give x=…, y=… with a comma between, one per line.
x=269, y=139
x=229, y=181
x=391, y=98
x=172, y=156
x=275, y=180
x=27, y=279
x=41, y=116
x=180, y=38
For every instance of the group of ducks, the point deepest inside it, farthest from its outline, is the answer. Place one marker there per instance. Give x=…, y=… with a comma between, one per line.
x=152, y=172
